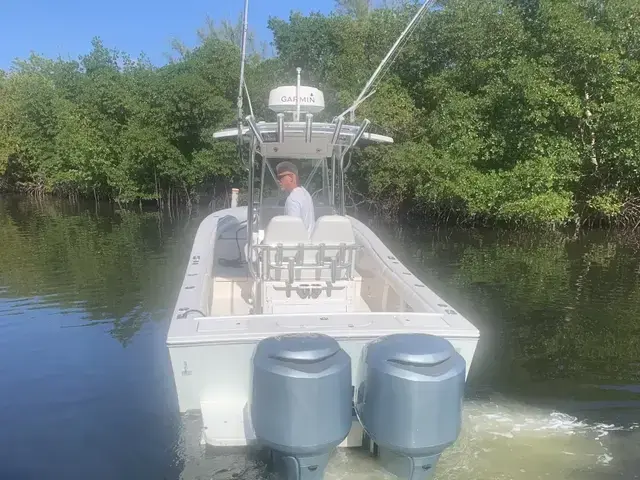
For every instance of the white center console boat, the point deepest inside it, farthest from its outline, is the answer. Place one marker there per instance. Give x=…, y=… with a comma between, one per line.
x=302, y=342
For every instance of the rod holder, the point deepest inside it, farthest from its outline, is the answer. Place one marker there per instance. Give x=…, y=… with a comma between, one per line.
x=360, y=132
x=336, y=132
x=281, y=128
x=254, y=128
x=308, y=127
x=356, y=139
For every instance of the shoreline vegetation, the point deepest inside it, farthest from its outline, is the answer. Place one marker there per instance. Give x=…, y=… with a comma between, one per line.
x=517, y=112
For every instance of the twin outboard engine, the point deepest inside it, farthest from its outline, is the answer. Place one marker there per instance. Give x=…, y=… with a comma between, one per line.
x=409, y=400
x=301, y=401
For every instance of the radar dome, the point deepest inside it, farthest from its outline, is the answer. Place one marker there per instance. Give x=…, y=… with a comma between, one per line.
x=283, y=99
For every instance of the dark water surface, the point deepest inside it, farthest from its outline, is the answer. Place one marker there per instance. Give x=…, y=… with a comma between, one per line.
x=85, y=383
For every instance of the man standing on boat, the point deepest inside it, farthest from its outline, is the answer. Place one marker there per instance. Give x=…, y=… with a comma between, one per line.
x=299, y=203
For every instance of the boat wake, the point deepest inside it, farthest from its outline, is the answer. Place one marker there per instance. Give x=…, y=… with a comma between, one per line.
x=500, y=439
x=506, y=440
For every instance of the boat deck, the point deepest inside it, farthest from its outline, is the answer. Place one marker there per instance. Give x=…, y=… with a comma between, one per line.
x=213, y=322
x=231, y=282
x=232, y=291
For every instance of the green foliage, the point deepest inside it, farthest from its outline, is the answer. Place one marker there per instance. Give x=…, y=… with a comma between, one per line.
x=501, y=110
x=107, y=126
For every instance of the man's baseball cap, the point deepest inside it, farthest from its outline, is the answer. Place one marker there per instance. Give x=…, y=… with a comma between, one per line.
x=286, y=167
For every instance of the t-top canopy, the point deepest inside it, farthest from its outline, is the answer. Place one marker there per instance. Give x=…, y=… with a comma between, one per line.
x=295, y=141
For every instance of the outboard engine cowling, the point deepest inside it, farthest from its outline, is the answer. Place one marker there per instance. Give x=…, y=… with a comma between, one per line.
x=301, y=401
x=409, y=400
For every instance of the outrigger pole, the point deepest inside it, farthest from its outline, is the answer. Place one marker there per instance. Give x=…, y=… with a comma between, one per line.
x=364, y=94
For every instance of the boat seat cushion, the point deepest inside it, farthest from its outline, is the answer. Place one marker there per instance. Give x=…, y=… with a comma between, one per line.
x=285, y=230
x=289, y=232
x=333, y=230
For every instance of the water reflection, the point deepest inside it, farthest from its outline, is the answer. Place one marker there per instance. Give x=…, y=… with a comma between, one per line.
x=115, y=267
x=560, y=324
x=551, y=308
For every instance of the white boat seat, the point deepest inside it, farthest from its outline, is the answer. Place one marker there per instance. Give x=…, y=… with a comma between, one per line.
x=290, y=255
x=285, y=230
x=333, y=234
x=285, y=237
x=333, y=230
x=303, y=274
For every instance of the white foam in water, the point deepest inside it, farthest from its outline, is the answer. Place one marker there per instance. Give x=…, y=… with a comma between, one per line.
x=508, y=440
x=499, y=440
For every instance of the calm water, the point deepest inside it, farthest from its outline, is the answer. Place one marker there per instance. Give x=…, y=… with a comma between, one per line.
x=86, y=389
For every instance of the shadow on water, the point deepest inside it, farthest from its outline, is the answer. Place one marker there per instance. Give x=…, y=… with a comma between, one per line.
x=86, y=293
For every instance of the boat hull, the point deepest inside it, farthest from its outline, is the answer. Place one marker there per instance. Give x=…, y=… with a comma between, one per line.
x=214, y=378
x=211, y=355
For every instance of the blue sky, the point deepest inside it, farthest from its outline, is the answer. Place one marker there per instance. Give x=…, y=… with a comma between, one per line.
x=65, y=27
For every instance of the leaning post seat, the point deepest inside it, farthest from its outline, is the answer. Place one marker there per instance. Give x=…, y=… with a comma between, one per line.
x=284, y=238
x=334, y=238
x=286, y=230
x=298, y=273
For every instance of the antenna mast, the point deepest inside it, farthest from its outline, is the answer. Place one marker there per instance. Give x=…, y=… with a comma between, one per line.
x=245, y=26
